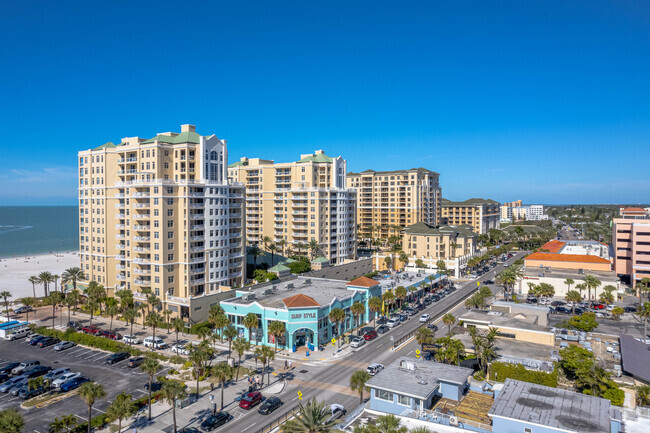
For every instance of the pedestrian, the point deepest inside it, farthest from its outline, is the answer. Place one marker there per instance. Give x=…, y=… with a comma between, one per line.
x=211, y=386
x=290, y=365
x=286, y=364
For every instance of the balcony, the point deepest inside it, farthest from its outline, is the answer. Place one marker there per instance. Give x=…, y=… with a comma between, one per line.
x=120, y=257
x=120, y=277
x=196, y=216
x=120, y=205
x=177, y=300
x=141, y=205
x=197, y=227
x=120, y=226
x=196, y=194
x=196, y=238
x=140, y=296
x=141, y=195
x=141, y=249
x=144, y=228
x=197, y=281
x=197, y=249
x=130, y=159
x=120, y=195
x=142, y=261
x=142, y=238
x=120, y=246
x=120, y=216
x=120, y=236
x=142, y=216
x=197, y=270
x=140, y=282
x=142, y=271
x=120, y=267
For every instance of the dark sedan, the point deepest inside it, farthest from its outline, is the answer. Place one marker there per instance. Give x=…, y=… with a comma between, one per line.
x=432, y=327
x=6, y=369
x=34, y=340
x=37, y=371
x=117, y=357
x=214, y=421
x=269, y=405
x=49, y=341
x=382, y=329
x=134, y=362
x=73, y=384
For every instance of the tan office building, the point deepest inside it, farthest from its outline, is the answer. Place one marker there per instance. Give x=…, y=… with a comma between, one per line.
x=395, y=198
x=159, y=214
x=443, y=242
x=481, y=214
x=300, y=201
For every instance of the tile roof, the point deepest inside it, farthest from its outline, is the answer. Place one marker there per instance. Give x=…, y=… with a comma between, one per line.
x=108, y=145
x=553, y=246
x=633, y=209
x=300, y=300
x=321, y=157
x=556, y=408
x=469, y=201
x=363, y=282
x=183, y=137
x=410, y=170
x=279, y=268
x=580, y=258
x=320, y=259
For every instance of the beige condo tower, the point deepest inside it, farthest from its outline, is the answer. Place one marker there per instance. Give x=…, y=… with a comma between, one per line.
x=160, y=215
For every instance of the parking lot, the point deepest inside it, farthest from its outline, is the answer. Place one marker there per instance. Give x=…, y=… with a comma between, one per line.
x=89, y=362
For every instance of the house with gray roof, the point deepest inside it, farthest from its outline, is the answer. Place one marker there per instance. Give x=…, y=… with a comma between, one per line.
x=522, y=407
x=414, y=384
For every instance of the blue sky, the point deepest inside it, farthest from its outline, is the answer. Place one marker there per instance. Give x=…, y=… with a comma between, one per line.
x=507, y=99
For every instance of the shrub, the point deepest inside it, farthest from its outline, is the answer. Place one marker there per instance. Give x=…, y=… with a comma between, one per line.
x=187, y=364
x=372, y=274
x=501, y=371
x=615, y=395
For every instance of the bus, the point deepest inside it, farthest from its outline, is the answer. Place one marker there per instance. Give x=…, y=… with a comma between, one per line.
x=5, y=330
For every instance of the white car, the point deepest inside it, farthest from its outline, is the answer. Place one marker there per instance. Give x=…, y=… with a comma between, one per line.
x=357, y=342
x=337, y=411
x=425, y=318
x=393, y=323
x=131, y=339
x=374, y=368
x=66, y=377
x=180, y=349
x=154, y=343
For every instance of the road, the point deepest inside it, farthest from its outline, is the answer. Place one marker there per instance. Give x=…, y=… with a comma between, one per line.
x=329, y=381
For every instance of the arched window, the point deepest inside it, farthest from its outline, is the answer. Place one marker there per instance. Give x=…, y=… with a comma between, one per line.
x=213, y=156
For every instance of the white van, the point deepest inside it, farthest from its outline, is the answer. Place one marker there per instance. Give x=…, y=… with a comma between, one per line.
x=156, y=343
x=19, y=333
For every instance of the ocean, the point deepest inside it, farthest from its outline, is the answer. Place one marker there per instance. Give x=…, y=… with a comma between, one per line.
x=26, y=230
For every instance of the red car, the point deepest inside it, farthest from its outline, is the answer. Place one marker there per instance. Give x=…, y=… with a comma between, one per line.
x=370, y=335
x=94, y=330
x=110, y=334
x=597, y=306
x=250, y=400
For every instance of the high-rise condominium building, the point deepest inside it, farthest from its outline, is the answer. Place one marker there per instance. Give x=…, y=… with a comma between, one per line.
x=160, y=215
x=298, y=202
x=400, y=198
x=481, y=214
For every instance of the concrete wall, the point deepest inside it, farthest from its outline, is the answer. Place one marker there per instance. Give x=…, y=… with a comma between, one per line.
x=502, y=425
x=451, y=391
x=346, y=272
x=521, y=287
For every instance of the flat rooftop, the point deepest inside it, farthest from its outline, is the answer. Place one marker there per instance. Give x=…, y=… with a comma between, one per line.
x=499, y=319
x=551, y=407
x=321, y=290
x=416, y=377
x=635, y=357
x=534, y=271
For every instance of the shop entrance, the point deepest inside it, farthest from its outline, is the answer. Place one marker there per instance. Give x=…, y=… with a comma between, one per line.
x=303, y=337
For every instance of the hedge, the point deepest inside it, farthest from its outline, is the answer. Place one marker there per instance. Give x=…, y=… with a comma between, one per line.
x=102, y=343
x=503, y=371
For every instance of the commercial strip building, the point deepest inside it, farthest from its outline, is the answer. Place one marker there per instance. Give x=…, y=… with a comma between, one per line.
x=515, y=211
x=454, y=245
x=562, y=260
x=160, y=214
x=387, y=200
x=300, y=201
x=631, y=239
x=481, y=214
x=303, y=304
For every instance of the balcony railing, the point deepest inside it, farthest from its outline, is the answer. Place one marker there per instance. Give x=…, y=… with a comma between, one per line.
x=120, y=236
x=142, y=227
x=140, y=282
x=120, y=267
x=142, y=271
x=142, y=238
x=119, y=226
x=120, y=277
x=197, y=227
x=141, y=249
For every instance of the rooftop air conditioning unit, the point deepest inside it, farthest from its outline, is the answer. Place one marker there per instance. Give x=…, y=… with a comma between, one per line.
x=581, y=271
x=289, y=286
x=453, y=420
x=268, y=291
x=541, y=275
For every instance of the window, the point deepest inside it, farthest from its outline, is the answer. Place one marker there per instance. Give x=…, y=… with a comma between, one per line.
x=404, y=400
x=528, y=430
x=383, y=395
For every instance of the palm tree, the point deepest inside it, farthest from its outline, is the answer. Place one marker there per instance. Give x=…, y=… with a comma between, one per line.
x=388, y=298
x=55, y=298
x=281, y=244
x=375, y=305
x=404, y=258
x=357, y=310
x=56, y=426
x=568, y=283
x=424, y=335
x=451, y=350
x=28, y=302
x=389, y=263
x=358, y=382
x=69, y=422
x=390, y=424
x=272, y=249
x=154, y=320
x=265, y=241
x=400, y=294
x=5, y=295
x=240, y=345
x=222, y=373
x=581, y=287
x=112, y=310
x=337, y=316
x=230, y=332
x=56, y=277
x=643, y=311
x=167, y=314
x=150, y=366
x=255, y=252
x=277, y=329
x=269, y=354
x=251, y=321
x=313, y=246
x=592, y=283
x=122, y=407
x=312, y=418
x=71, y=299
x=198, y=357
x=173, y=390
x=260, y=355
x=11, y=421
x=178, y=325
x=45, y=278
x=129, y=315
x=34, y=280
x=73, y=275
x=449, y=320
x=574, y=297
x=606, y=298
x=221, y=321
x=90, y=392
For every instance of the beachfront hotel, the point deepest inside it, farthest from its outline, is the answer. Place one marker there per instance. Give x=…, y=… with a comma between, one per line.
x=297, y=202
x=160, y=214
x=389, y=200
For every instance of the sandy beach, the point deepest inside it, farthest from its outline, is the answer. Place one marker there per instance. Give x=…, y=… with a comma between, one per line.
x=15, y=271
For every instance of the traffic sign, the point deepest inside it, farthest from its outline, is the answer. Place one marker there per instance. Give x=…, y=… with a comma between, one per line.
x=299, y=395
x=417, y=353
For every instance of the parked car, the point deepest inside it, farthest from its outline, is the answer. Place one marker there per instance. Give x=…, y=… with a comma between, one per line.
x=155, y=386
x=251, y=399
x=64, y=378
x=357, y=342
x=374, y=368
x=4, y=377
x=91, y=329
x=435, y=298
x=13, y=382
x=6, y=368
x=49, y=341
x=117, y=357
x=39, y=370
x=410, y=312
x=402, y=317
x=26, y=392
x=24, y=366
x=180, y=349
x=531, y=300
x=382, y=329
x=337, y=411
x=563, y=310
x=214, y=421
x=393, y=322
x=110, y=335
x=34, y=339
x=155, y=343
x=130, y=339
x=370, y=335
x=433, y=327
x=64, y=345
x=558, y=303
x=77, y=326
x=426, y=301
x=597, y=306
x=134, y=362
x=73, y=384
x=189, y=430
x=629, y=309
x=18, y=333
x=488, y=282
x=56, y=373
x=425, y=318
x=23, y=309
x=269, y=405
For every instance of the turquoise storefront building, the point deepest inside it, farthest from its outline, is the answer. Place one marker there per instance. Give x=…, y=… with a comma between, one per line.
x=303, y=304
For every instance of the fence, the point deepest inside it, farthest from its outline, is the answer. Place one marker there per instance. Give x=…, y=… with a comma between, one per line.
x=280, y=420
